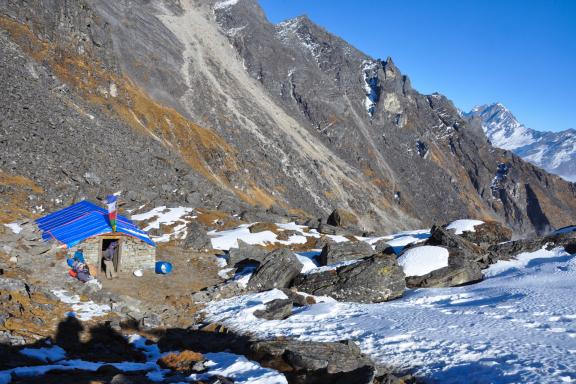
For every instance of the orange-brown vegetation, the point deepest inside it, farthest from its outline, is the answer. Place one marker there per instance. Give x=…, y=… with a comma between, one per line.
x=14, y=198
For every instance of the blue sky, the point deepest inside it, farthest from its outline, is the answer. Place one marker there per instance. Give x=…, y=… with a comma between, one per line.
x=520, y=53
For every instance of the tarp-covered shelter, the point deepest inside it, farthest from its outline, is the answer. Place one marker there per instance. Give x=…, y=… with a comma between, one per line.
x=86, y=226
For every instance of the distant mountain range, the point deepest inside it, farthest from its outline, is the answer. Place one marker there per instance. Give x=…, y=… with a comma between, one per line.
x=552, y=151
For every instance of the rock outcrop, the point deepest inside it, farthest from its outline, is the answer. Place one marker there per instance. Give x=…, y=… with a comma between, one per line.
x=277, y=270
x=487, y=234
x=450, y=276
x=278, y=309
x=370, y=280
x=344, y=251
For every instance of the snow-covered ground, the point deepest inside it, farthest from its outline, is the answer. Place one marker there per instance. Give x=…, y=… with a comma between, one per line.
x=224, y=240
x=178, y=217
x=517, y=326
x=83, y=310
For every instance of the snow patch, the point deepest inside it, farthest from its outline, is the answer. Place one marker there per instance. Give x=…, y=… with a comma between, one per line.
x=83, y=310
x=225, y=4
x=239, y=369
x=168, y=217
x=15, y=227
x=464, y=225
x=420, y=261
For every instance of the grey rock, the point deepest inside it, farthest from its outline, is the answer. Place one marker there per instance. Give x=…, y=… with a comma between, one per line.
x=310, y=356
x=13, y=285
x=342, y=218
x=328, y=229
x=246, y=253
x=487, y=234
x=197, y=238
x=7, y=338
x=277, y=270
x=219, y=380
x=371, y=280
x=278, y=309
x=218, y=292
x=443, y=237
x=381, y=246
x=298, y=299
x=344, y=251
x=451, y=276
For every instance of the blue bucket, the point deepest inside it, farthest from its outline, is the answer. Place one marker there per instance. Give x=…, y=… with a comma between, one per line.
x=163, y=267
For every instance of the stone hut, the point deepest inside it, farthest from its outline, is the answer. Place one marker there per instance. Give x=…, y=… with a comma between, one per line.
x=85, y=226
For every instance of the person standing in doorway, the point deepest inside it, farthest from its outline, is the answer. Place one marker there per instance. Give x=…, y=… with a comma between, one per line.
x=108, y=256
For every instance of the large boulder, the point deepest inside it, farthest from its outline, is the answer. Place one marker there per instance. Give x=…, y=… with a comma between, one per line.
x=197, y=238
x=328, y=229
x=344, y=251
x=309, y=361
x=487, y=234
x=342, y=218
x=461, y=250
x=246, y=253
x=443, y=237
x=13, y=285
x=371, y=280
x=381, y=246
x=277, y=270
x=450, y=276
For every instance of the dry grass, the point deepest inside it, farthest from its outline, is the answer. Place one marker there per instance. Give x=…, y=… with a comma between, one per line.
x=209, y=218
x=14, y=199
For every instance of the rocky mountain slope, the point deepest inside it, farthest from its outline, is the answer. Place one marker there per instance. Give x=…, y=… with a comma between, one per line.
x=553, y=151
x=210, y=103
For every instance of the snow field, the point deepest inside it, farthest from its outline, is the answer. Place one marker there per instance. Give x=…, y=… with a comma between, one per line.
x=517, y=326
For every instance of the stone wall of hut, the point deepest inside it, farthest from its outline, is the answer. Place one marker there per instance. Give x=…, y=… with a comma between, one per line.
x=134, y=253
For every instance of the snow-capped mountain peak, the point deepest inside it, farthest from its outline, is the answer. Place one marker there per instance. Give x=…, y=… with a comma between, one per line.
x=553, y=151
x=502, y=127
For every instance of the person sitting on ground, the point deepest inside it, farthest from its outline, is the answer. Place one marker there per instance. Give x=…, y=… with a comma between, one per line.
x=108, y=258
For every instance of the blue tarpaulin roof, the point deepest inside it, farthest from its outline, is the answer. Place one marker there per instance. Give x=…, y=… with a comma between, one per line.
x=82, y=220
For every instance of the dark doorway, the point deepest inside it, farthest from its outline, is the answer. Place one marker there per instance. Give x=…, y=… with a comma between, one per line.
x=116, y=260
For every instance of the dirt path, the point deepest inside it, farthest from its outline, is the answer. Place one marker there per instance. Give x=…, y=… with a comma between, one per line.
x=191, y=272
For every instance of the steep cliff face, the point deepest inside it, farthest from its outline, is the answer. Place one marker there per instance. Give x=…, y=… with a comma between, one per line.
x=286, y=115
